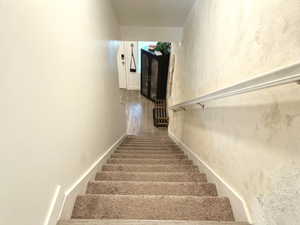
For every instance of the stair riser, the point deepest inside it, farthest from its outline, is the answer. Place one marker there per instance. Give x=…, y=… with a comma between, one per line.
x=136, y=150
x=152, y=207
x=150, y=161
x=145, y=222
x=150, y=152
x=149, y=145
x=148, y=138
x=160, y=177
x=148, y=156
x=149, y=142
x=149, y=188
x=149, y=168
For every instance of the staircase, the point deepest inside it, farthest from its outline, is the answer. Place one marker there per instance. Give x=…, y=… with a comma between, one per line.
x=149, y=181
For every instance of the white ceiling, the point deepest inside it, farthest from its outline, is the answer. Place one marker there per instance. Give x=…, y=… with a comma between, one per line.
x=152, y=12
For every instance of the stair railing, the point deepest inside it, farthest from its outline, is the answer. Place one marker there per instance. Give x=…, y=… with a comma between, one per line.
x=278, y=77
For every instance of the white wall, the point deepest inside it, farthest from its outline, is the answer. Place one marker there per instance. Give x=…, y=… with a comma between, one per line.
x=59, y=109
x=122, y=66
x=252, y=141
x=144, y=33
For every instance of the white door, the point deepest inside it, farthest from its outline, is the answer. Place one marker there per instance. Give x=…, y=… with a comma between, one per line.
x=122, y=66
x=131, y=54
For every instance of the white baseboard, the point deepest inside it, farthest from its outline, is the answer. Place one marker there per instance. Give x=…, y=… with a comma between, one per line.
x=238, y=204
x=63, y=201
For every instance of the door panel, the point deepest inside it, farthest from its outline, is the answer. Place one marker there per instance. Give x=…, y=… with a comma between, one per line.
x=145, y=75
x=154, y=79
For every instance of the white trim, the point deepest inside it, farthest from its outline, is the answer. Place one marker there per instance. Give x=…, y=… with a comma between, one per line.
x=48, y=219
x=62, y=204
x=237, y=201
x=279, y=76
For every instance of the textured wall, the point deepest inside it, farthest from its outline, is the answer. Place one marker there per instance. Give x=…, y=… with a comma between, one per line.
x=253, y=140
x=59, y=107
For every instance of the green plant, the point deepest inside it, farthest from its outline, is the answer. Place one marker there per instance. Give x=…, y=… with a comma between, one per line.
x=163, y=47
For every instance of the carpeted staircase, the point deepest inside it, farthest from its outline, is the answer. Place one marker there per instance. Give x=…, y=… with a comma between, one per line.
x=149, y=181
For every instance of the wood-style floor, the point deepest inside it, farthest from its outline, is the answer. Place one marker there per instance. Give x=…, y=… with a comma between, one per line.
x=139, y=114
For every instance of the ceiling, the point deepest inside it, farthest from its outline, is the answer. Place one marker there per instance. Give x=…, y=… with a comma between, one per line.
x=152, y=12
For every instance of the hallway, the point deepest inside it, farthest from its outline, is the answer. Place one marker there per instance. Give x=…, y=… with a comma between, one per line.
x=139, y=114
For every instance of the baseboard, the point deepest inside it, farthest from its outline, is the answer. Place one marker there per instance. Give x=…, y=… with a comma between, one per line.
x=239, y=206
x=63, y=201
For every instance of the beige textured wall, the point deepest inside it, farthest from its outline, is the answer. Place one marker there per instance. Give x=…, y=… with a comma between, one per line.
x=252, y=141
x=59, y=102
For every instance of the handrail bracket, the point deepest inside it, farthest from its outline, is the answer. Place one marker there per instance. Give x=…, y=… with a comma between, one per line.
x=202, y=106
x=280, y=76
x=179, y=109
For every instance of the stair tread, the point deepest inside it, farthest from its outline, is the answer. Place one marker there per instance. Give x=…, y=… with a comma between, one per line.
x=152, y=176
x=151, y=141
x=136, y=148
x=140, y=152
x=152, y=188
x=144, y=222
x=148, y=161
x=148, y=182
x=178, y=152
x=148, y=146
x=155, y=173
x=149, y=167
x=148, y=156
x=93, y=206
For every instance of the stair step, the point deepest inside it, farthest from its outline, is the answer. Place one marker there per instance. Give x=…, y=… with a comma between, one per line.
x=155, y=176
x=148, y=141
x=150, y=151
x=148, y=156
x=149, y=161
x=155, y=144
x=148, y=147
x=147, y=137
x=144, y=222
x=149, y=168
x=150, y=181
x=151, y=188
x=152, y=207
